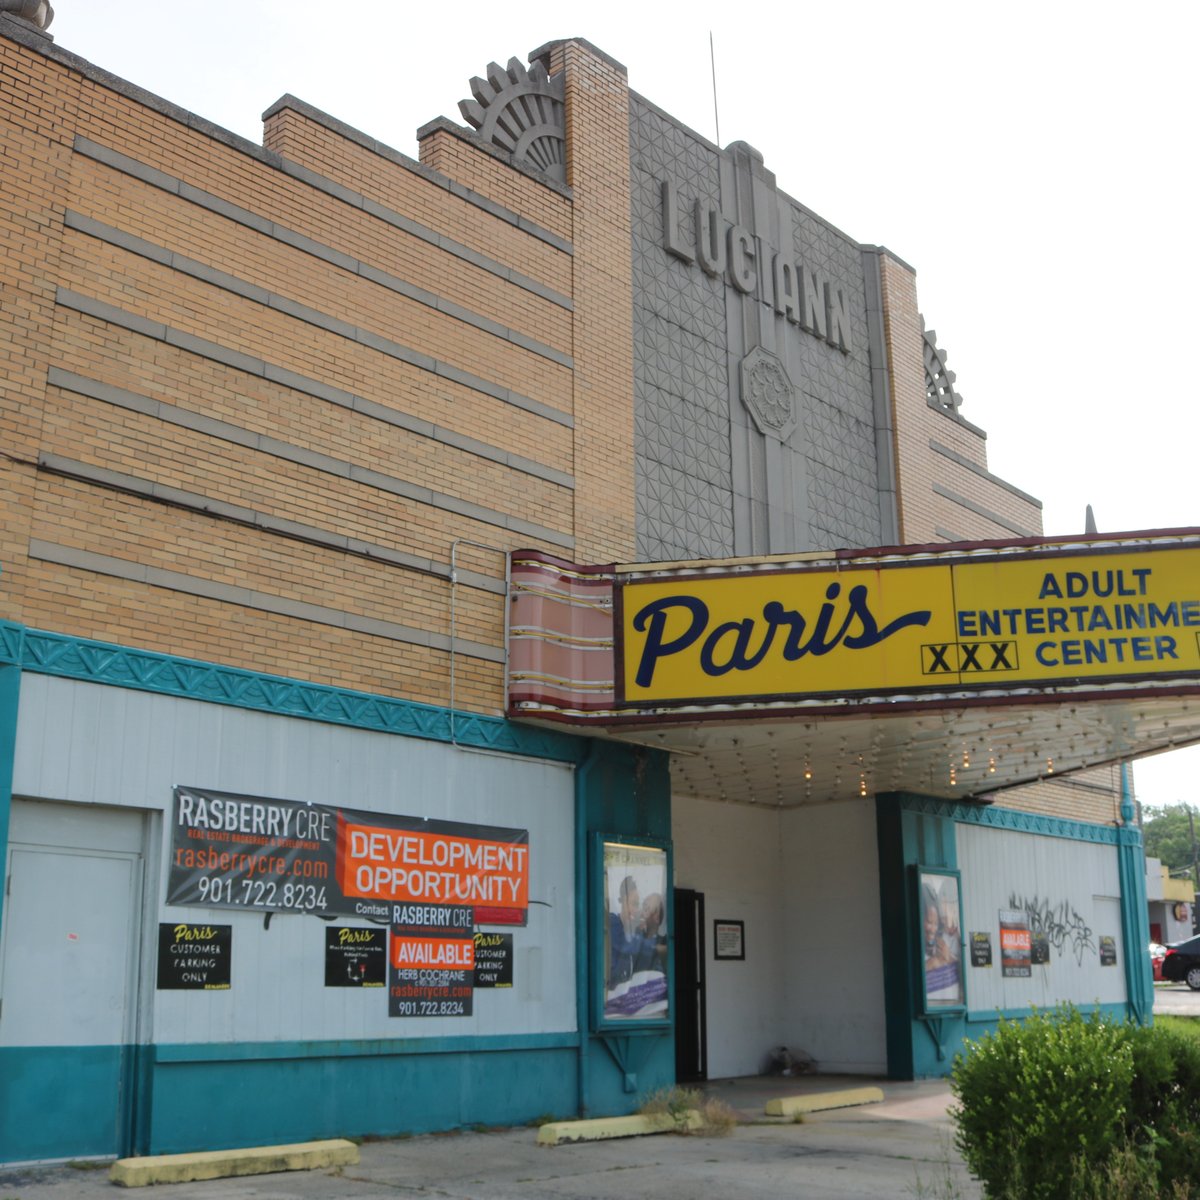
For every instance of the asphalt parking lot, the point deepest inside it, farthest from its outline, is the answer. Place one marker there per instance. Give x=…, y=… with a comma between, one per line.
x=902, y=1147
x=899, y=1148
x=1176, y=1000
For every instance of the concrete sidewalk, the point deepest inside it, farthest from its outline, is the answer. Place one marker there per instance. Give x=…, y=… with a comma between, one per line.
x=902, y=1147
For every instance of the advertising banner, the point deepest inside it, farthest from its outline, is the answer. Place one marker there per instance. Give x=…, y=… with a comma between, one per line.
x=764, y=634
x=247, y=852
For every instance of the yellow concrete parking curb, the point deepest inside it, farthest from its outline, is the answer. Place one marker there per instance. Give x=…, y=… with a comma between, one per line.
x=219, y=1164
x=789, y=1106
x=600, y=1128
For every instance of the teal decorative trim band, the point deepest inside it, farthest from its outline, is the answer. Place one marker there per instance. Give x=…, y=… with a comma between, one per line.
x=995, y=817
x=1117, y=1010
x=147, y=671
x=371, y=1048
x=10, y=642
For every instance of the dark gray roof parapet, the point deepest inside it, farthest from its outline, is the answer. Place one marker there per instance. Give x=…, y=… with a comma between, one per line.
x=20, y=32
x=25, y=35
x=543, y=52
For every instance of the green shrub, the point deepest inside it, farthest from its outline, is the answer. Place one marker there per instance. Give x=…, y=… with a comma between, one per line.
x=1063, y=1107
x=1038, y=1097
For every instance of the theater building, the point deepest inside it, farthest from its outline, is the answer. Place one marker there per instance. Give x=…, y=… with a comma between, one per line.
x=489, y=634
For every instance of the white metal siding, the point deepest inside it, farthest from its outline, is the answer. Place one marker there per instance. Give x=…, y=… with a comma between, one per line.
x=114, y=746
x=999, y=865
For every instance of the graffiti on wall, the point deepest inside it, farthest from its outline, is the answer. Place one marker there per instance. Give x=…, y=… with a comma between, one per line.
x=1061, y=925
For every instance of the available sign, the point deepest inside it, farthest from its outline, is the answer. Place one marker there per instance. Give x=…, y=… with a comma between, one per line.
x=1016, y=944
x=947, y=621
x=233, y=851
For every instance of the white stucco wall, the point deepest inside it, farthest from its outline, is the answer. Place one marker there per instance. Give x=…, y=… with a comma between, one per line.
x=806, y=883
x=732, y=853
x=832, y=943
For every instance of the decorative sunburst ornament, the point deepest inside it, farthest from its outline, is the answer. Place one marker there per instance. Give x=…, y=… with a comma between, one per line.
x=521, y=111
x=939, y=379
x=36, y=12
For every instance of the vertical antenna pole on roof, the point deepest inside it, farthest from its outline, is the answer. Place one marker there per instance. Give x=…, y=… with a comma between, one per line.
x=712, y=58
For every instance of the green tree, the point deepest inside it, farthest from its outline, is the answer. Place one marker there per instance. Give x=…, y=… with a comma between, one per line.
x=1167, y=835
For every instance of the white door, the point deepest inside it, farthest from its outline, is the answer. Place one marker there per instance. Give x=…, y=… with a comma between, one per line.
x=68, y=981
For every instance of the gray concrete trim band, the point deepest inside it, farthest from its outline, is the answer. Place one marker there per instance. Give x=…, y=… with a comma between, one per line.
x=119, y=568
x=951, y=415
x=473, y=139
x=320, y=117
x=235, y=435
x=379, y=412
x=982, y=472
x=112, y=236
x=948, y=535
x=979, y=510
x=56, y=464
x=169, y=183
x=43, y=43
x=257, y=366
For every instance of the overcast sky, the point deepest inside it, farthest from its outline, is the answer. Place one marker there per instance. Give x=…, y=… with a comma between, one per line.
x=1035, y=162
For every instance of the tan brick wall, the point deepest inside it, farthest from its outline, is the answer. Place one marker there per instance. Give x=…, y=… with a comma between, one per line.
x=925, y=514
x=145, y=547
x=34, y=102
x=458, y=159
x=1093, y=796
x=597, y=115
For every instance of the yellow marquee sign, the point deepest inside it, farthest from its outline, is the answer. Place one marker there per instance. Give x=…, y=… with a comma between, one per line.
x=943, y=623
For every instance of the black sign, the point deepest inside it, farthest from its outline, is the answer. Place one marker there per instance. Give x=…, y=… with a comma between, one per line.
x=194, y=957
x=493, y=960
x=981, y=949
x=355, y=957
x=420, y=992
x=1108, y=951
x=1039, y=949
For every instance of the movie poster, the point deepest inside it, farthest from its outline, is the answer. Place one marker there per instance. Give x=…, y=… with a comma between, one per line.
x=941, y=941
x=635, y=932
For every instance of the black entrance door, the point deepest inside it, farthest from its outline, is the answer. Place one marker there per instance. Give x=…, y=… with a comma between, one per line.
x=691, y=1038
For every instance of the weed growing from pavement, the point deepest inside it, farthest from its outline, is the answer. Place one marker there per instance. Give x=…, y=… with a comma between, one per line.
x=716, y=1117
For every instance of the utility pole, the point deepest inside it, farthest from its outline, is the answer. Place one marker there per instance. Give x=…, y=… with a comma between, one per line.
x=1192, y=827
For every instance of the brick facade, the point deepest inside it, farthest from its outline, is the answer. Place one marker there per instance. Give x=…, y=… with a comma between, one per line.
x=257, y=399
x=261, y=401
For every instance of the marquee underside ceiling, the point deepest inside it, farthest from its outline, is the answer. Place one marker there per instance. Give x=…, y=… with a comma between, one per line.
x=954, y=751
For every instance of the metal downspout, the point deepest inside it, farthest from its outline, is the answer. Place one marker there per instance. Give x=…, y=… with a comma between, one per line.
x=582, y=774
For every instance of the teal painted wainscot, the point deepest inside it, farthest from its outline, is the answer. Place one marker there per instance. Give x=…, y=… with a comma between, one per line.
x=57, y=1101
